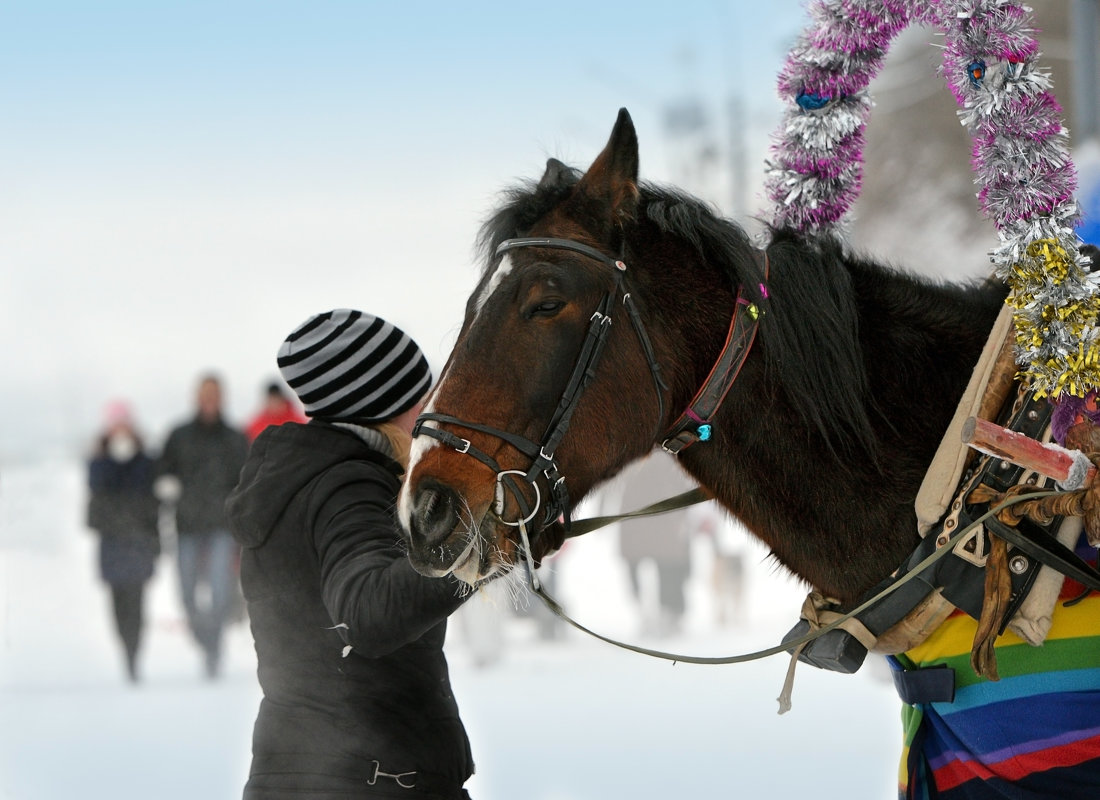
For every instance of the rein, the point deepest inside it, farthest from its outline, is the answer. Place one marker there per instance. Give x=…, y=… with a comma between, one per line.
x=786, y=646
x=790, y=645
x=688, y=498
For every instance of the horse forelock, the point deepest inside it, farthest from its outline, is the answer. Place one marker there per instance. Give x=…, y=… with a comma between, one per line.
x=522, y=206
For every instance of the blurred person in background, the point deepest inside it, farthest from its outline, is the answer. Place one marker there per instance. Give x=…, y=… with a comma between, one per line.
x=728, y=572
x=349, y=637
x=663, y=540
x=123, y=510
x=204, y=456
x=277, y=408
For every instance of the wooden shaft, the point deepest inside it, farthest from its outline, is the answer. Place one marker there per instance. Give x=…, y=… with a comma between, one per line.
x=1050, y=460
x=1002, y=379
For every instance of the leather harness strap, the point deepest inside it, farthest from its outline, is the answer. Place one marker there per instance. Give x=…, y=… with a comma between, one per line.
x=694, y=424
x=688, y=498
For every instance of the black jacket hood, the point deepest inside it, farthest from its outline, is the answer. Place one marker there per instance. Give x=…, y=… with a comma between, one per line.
x=283, y=460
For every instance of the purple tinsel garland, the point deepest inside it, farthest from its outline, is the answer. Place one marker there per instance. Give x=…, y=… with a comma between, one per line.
x=817, y=170
x=1020, y=159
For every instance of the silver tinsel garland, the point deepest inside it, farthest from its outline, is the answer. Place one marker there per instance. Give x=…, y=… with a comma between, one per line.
x=1021, y=160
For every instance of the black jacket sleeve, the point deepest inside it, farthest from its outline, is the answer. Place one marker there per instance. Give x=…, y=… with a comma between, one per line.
x=377, y=600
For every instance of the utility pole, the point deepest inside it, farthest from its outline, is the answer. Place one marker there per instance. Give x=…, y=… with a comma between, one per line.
x=738, y=173
x=1085, y=32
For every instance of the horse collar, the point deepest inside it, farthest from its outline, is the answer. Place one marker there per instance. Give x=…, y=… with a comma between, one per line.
x=694, y=424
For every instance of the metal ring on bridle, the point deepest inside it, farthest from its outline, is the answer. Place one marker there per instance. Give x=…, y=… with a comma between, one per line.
x=498, y=507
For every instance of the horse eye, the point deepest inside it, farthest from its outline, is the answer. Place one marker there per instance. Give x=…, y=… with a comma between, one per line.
x=546, y=308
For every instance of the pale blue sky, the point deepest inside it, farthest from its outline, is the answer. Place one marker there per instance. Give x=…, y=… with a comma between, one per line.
x=182, y=183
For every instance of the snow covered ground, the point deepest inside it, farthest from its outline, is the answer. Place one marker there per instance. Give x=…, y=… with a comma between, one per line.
x=572, y=719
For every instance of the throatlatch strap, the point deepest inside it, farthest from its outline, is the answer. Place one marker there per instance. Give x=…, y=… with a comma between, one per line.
x=694, y=425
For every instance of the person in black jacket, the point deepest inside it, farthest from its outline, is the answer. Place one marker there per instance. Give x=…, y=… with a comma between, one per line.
x=349, y=638
x=123, y=510
x=205, y=456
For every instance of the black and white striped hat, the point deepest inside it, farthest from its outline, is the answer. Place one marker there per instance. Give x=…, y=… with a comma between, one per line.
x=349, y=365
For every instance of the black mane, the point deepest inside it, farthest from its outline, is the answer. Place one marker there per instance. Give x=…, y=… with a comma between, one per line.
x=809, y=329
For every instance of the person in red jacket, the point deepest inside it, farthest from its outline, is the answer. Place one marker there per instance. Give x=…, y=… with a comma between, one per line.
x=277, y=408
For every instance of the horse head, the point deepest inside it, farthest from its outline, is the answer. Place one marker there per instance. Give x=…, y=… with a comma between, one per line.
x=542, y=397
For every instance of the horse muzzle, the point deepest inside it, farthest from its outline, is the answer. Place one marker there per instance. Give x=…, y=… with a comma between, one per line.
x=446, y=534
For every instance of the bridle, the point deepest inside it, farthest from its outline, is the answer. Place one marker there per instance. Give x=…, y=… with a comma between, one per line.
x=693, y=425
x=543, y=461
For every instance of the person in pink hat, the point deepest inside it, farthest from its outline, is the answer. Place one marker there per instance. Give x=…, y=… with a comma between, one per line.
x=123, y=511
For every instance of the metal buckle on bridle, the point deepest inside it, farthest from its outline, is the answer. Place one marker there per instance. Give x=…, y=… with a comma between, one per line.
x=398, y=777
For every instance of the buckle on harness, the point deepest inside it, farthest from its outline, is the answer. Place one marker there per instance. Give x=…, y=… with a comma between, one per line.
x=406, y=780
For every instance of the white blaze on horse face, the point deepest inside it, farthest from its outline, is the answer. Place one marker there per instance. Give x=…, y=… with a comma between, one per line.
x=420, y=445
x=504, y=268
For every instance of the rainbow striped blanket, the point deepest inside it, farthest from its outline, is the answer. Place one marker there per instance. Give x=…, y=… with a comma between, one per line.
x=1033, y=734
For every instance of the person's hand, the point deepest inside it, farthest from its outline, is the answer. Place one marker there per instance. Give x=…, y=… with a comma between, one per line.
x=167, y=488
x=1085, y=436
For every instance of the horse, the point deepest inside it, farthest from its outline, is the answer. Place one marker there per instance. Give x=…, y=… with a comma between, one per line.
x=805, y=387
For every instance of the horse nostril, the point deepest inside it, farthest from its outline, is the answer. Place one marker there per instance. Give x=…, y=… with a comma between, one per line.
x=435, y=514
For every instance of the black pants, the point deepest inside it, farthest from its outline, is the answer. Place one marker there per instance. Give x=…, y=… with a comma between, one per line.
x=128, y=600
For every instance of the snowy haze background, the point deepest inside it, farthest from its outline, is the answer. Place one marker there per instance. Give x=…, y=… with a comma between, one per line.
x=181, y=184
x=572, y=719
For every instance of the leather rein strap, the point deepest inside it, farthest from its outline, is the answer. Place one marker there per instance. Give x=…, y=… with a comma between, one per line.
x=789, y=644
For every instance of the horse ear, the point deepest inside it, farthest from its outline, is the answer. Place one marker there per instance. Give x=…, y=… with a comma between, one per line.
x=614, y=173
x=556, y=173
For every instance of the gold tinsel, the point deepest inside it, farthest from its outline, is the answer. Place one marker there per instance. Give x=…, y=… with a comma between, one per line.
x=1034, y=281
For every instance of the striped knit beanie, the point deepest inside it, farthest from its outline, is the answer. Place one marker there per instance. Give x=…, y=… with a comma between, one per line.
x=349, y=365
